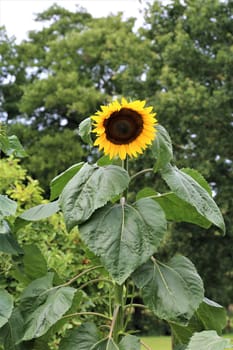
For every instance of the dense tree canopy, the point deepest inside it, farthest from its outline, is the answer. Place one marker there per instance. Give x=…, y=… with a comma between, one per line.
x=181, y=62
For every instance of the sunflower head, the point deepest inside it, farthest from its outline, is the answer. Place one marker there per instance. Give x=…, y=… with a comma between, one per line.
x=125, y=128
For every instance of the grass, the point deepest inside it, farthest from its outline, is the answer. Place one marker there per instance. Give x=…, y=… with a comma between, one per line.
x=157, y=343
x=164, y=343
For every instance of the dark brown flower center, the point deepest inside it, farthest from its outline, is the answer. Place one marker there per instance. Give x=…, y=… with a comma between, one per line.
x=123, y=127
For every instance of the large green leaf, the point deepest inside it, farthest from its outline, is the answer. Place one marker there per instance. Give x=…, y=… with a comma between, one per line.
x=178, y=210
x=130, y=342
x=199, y=178
x=162, y=148
x=6, y=306
x=175, y=208
x=12, y=332
x=125, y=236
x=173, y=291
x=7, y=206
x=41, y=211
x=186, y=188
x=208, y=316
x=47, y=311
x=35, y=290
x=84, y=131
x=8, y=244
x=105, y=344
x=208, y=340
x=91, y=188
x=59, y=182
x=81, y=338
x=35, y=265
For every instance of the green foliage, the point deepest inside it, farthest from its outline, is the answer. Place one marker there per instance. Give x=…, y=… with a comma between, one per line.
x=208, y=340
x=79, y=198
x=138, y=231
x=59, y=182
x=191, y=192
x=6, y=306
x=83, y=337
x=209, y=315
x=125, y=236
x=173, y=290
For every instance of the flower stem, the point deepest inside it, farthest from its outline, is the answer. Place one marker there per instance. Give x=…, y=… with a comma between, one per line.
x=117, y=327
x=125, y=165
x=118, y=316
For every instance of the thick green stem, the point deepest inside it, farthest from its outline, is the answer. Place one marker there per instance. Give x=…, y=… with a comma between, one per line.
x=125, y=164
x=117, y=326
x=118, y=319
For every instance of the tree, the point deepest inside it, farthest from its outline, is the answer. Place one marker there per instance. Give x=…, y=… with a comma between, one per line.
x=77, y=63
x=189, y=81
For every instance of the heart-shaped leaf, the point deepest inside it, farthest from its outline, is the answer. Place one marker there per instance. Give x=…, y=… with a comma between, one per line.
x=125, y=236
x=91, y=188
x=173, y=291
x=82, y=338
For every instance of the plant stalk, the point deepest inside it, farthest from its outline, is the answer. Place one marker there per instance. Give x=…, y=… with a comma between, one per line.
x=118, y=319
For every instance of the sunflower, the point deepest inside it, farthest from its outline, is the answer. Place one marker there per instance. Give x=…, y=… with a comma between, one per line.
x=125, y=128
